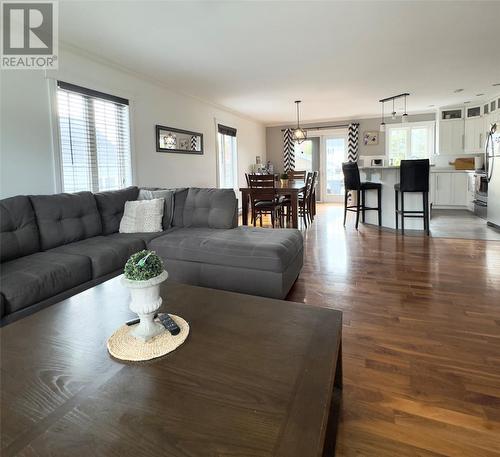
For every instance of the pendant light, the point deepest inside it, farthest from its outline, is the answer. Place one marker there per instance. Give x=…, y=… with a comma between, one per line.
x=299, y=135
x=393, y=114
x=404, y=117
x=382, y=124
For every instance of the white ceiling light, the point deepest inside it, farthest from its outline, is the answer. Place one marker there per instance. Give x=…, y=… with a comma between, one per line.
x=299, y=135
x=382, y=124
x=404, y=117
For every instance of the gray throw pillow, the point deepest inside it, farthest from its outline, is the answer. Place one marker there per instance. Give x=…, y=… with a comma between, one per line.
x=168, y=210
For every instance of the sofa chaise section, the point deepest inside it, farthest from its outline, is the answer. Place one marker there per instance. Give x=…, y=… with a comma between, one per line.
x=210, y=250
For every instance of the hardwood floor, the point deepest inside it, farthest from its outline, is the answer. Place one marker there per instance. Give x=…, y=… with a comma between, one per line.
x=421, y=337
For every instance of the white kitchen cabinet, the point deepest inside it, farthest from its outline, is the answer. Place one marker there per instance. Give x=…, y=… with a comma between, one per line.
x=451, y=137
x=449, y=189
x=459, y=189
x=474, y=135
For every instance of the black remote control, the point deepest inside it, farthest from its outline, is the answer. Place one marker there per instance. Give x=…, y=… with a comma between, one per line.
x=169, y=324
x=137, y=320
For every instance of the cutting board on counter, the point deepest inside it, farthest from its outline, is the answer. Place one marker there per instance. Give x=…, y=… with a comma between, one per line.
x=464, y=163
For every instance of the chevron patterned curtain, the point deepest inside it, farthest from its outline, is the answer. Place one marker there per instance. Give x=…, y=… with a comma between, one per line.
x=288, y=151
x=353, y=143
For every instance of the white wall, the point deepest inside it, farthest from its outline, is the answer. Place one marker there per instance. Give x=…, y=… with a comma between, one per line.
x=27, y=154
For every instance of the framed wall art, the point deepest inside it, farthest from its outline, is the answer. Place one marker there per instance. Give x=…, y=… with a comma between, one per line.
x=370, y=138
x=178, y=141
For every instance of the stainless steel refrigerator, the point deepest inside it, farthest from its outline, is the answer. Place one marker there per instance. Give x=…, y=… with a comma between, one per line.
x=492, y=166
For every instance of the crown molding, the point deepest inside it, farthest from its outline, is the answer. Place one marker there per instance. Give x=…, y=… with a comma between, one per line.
x=154, y=81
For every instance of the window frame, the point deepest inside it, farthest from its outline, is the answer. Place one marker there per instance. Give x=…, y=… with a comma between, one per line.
x=430, y=125
x=218, y=160
x=58, y=171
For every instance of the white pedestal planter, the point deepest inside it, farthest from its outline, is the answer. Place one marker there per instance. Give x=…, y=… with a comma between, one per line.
x=145, y=302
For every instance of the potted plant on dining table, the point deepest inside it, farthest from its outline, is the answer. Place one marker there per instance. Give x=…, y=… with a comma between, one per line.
x=284, y=179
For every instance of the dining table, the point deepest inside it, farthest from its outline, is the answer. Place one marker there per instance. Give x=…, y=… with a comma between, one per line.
x=291, y=189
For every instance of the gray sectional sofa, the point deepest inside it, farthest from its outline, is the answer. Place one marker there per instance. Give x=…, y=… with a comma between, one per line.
x=53, y=246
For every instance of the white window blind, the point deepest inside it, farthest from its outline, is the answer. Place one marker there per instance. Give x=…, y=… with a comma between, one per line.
x=227, y=160
x=94, y=139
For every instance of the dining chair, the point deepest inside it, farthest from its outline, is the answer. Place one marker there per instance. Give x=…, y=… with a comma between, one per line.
x=312, y=197
x=297, y=175
x=263, y=198
x=304, y=200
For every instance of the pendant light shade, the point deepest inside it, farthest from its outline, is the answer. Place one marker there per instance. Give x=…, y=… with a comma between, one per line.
x=382, y=124
x=404, y=117
x=299, y=134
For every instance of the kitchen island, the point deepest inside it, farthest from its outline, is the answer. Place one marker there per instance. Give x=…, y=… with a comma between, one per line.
x=388, y=176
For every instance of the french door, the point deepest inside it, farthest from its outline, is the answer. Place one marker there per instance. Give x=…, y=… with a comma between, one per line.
x=333, y=153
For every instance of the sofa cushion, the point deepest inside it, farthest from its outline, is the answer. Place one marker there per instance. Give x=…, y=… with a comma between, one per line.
x=18, y=229
x=30, y=279
x=168, y=208
x=106, y=255
x=180, y=196
x=214, y=208
x=144, y=237
x=253, y=248
x=3, y=304
x=65, y=218
x=111, y=205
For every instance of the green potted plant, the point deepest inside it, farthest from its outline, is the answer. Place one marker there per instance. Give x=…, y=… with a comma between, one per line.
x=284, y=179
x=142, y=275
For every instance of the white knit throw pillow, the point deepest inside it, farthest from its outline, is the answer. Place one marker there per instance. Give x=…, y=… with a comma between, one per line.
x=142, y=216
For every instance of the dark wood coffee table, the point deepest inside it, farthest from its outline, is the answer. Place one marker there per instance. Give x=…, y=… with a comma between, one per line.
x=256, y=377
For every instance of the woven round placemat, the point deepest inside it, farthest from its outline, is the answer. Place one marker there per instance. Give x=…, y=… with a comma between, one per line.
x=123, y=346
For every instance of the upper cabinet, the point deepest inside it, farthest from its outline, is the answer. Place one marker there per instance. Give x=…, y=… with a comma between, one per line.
x=451, y=137
x=463, y=130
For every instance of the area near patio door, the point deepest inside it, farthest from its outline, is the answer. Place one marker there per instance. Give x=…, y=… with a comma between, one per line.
x=334, y=152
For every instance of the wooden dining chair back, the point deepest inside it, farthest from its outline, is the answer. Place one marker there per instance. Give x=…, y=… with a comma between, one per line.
x=305, y=198
x=263, y=197
x=297, y=175
x=312, y=196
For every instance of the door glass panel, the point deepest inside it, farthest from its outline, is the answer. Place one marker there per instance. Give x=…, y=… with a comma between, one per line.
x=335, y=155
x=304, y=156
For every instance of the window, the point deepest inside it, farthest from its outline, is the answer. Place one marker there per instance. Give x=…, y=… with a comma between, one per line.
x=227, y=173
x=409, y=141
x=94, y=139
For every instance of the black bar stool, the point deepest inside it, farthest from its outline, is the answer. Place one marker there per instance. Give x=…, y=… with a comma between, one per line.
x=352, y=182
x=413, y=177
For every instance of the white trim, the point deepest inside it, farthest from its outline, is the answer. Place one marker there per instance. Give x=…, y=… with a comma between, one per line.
x=55, y=135
x=144, y=77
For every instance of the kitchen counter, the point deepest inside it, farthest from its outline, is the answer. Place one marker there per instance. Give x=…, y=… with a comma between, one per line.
x=434, y=169
x=388, y=176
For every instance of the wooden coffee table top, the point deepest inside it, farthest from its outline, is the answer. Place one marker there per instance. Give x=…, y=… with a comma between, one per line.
x=254, y=378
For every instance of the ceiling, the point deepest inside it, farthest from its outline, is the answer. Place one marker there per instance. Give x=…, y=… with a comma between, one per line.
x=339, y=58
